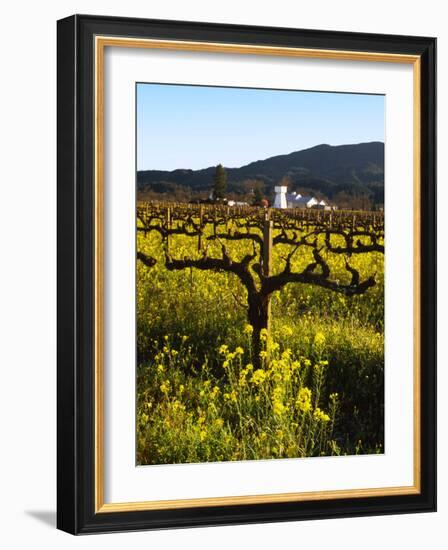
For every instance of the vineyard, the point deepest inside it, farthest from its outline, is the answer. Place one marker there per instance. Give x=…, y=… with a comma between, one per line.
x=260, y=333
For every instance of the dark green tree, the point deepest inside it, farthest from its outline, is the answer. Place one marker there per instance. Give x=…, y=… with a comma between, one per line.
x=220, y=183
x=258, y=196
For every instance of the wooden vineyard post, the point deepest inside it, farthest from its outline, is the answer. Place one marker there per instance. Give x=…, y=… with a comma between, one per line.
x=267, y=260
x=168, y=226
x=201, y=215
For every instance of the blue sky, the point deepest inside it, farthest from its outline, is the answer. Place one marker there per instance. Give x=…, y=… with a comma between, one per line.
x=200, y=126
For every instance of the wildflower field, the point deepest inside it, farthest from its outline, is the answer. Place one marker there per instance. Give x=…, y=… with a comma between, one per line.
x=312, y=381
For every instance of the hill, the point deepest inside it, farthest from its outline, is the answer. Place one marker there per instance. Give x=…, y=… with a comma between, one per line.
x=355, y=170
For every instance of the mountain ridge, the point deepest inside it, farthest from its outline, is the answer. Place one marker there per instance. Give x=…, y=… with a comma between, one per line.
x=355, y=169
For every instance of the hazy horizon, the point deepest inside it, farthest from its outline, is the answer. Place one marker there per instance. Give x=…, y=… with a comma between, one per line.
x=196, y=127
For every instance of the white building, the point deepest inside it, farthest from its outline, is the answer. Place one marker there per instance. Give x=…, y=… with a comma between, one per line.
x=283, y=199
x=280, y=196
x=237, y=203
x=295, y=200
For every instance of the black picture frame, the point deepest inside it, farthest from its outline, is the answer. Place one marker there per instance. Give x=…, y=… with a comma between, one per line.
x=76, y=512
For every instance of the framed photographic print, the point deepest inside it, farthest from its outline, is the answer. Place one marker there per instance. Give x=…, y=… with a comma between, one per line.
x=246, y=274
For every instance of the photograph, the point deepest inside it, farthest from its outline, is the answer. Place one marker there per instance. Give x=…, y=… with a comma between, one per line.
x=223, y=275
x=260, y=261
x=246, y=264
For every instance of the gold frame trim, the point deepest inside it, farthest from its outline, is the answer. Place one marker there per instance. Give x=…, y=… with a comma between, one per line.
x=101, y=42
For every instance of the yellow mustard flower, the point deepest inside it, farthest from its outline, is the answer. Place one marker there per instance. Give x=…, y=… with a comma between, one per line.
x=319, y=339
x=230, y=396
x=258, y=377
x=320, y=415
x=248, y=329
x=277, y=401
x=303, y=401
x=274, y=346
x=165, y=387
x=223, y=349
